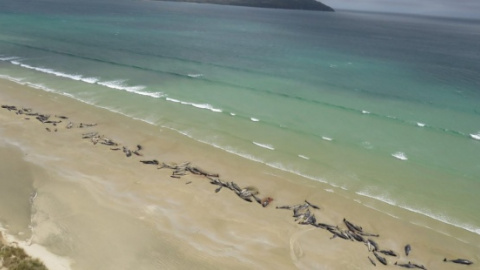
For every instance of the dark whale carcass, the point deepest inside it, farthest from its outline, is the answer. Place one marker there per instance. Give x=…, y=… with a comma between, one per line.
x=459, y=261
x=380, y=258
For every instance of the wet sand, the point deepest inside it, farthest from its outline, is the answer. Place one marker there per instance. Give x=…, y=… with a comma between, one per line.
x=94, y=208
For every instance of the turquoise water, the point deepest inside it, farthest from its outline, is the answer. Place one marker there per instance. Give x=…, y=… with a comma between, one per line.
x=379, y=106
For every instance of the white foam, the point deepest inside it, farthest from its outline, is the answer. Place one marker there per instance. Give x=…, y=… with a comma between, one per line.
x=119, y=112
x=29, y=84
x=173, y=100
x=42, y=87
x=266, y=146
x=327, y=138
x=116, y=84
x=377, y=197
x=10, y=78
x=196, y=105
x=475, y=136
x=91, y=80
x=8, y=58
x=133, y=89
x=365, y=112
x=205, y=106
x=33, y=85
x=49, y=71
x=233, y=114
x=120, y=85
x=195, y=75
x=304, y=157
x=400, y=156
x=282, y=167
x=227, y=149
x=420, y=124
x=254, y=119
x=69, y=95
x=238, y=153
x=329, y=190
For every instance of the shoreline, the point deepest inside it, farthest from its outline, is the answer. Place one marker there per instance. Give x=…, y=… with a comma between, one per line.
x=144, y=195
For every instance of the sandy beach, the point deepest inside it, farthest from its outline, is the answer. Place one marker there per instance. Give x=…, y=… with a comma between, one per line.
x=79, y=205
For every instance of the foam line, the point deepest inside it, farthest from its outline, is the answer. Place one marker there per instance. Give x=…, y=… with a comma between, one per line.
x=196, y=105
x=266, y=146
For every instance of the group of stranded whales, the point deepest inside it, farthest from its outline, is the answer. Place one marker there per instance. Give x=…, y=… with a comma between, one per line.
x=303, y=213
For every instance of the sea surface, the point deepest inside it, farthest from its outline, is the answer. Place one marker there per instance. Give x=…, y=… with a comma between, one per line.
x=384, y=109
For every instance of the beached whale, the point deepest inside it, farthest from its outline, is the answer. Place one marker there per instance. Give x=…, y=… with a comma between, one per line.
x=459, y=261
x=355, y=236
x=352, y=227
x=389, y=253
x=127, y=152
x=108, y=142
x=380, y=258
x=151, y=162
x=408, y=248
x=373, y=244
x=339, y=234
x=9, y=107
x=324, y=226
x=410, y=265
x=198, y=171
x=405, y=265
x=369, y=234
x=312, y=205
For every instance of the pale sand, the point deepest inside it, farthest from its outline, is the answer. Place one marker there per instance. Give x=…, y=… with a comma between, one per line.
x=97, y=209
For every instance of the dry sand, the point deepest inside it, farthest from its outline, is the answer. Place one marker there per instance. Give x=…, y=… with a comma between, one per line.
x=82, y=206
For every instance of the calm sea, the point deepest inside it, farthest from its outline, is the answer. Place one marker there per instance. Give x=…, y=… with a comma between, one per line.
x=382, y=108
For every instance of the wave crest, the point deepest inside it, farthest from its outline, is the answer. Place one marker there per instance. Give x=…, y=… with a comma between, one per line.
x=266, y=146
x=205, y=106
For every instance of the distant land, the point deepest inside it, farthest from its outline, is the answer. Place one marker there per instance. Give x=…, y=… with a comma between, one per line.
x=283, y=4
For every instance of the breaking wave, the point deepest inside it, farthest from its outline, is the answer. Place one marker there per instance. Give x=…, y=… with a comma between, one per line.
x=400, y=156
x=195, y=75
x=475, y=136
x=196, y=105
x=266, y=146
x=120, y=85
x=75, y=77
x=116, y=84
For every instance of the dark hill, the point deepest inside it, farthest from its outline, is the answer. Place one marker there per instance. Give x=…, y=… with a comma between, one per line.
x=284, y=4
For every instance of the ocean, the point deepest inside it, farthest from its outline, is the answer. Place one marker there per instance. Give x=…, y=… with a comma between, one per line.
x=384, y=109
